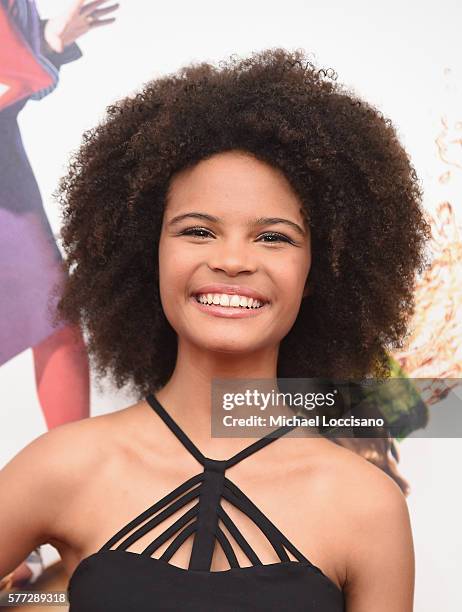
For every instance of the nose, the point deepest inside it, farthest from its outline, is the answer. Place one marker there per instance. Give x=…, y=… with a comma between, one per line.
x=232, y=257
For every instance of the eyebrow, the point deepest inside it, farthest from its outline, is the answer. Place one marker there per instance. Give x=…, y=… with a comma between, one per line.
x=258, y=221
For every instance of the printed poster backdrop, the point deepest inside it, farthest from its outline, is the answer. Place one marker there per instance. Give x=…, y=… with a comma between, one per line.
x=406, y=60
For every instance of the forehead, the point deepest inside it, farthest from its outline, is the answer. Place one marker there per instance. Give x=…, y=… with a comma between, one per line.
x=232, y=182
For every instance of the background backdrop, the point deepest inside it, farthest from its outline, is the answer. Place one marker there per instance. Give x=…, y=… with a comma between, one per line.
x=404, y=58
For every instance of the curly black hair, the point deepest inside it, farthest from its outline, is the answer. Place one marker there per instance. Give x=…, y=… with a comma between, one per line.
x=359, y=190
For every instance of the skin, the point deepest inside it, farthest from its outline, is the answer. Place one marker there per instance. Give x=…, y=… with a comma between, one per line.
x=351, y=520
x=77, y=19
x=236, y=188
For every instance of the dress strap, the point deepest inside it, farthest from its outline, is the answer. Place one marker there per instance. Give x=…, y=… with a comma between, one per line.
x=192, y=448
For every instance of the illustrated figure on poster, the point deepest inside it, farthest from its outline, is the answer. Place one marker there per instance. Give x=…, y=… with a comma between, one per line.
x=32, y=51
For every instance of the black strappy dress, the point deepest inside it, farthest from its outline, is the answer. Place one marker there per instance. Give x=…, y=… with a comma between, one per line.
x=118, y=580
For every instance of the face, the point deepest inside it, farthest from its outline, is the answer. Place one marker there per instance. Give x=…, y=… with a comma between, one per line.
x=220, y=237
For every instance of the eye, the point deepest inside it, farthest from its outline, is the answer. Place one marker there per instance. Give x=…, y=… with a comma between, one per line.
x=278, y=237
x=199, y=232
x=194, y=231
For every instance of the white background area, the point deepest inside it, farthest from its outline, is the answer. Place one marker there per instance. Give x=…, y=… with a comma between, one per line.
x=405, y=58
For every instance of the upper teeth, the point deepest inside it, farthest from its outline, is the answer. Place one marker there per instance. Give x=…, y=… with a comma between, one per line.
x=223, y=299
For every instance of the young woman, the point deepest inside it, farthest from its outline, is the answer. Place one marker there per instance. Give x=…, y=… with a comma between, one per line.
x=260, y=179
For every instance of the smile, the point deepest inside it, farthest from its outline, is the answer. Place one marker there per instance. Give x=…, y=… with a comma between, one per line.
x=230, y=312
x=233, y=300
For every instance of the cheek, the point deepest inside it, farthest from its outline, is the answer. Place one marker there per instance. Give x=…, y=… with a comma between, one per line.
x=290, y=273
x=175, y=272
x=289, y=276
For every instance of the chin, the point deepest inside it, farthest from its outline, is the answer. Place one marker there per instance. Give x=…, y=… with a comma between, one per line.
x=228, y=346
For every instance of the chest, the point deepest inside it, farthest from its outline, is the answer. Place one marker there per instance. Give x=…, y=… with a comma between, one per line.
x=263, y=513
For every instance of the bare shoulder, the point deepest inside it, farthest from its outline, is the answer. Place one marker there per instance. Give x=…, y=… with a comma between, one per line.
x=56, y=457
x=374, y=530
x=366, y=495
x=358, y=478
x=342, y=474
x=54, y=464
x=45, y=476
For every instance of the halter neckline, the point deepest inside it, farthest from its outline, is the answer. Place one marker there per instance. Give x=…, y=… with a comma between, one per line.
x=214, y=464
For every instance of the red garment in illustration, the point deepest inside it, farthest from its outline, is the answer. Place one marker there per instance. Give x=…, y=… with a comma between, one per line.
x=20, y=71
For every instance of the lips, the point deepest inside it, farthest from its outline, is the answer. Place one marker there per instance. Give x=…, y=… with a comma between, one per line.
x=227, y=312
x=231, y=290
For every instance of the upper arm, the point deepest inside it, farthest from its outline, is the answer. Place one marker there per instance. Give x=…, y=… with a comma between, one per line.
x=380, y=568
x=33, y=489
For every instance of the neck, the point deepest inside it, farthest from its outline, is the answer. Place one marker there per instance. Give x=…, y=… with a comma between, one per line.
x=187, y=395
